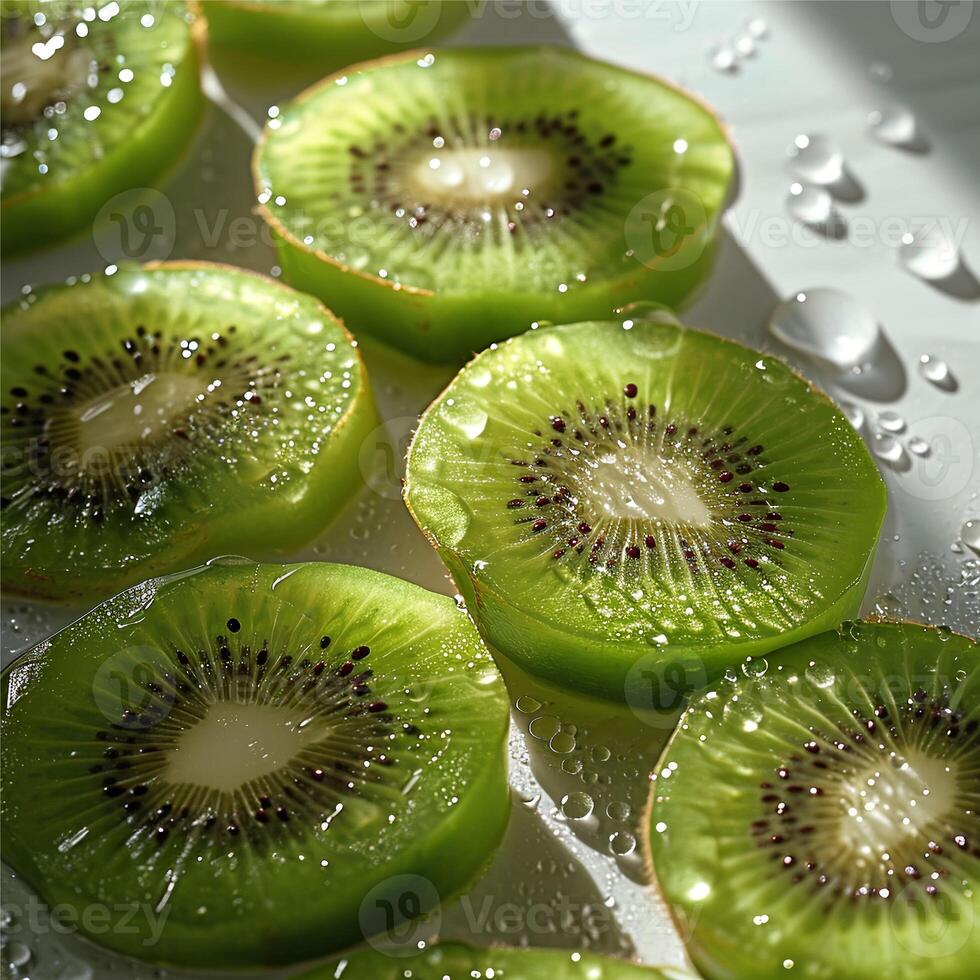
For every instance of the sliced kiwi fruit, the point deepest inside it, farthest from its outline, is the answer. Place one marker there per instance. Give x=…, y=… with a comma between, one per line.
x=818, y=815
x=630, y=507
x=165, y=414
x=460, y=961
x=97, y=99
x=446, y=200
x=333, y=33
x=241, y=756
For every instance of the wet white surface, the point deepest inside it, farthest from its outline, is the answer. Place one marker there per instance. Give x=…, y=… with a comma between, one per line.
x=570, y=864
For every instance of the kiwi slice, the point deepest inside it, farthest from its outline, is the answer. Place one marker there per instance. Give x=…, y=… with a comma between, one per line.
x=96, y=100
x=446, y=200
x=238, y=755
x=459, y=961
x=819, y=815
x=333, y=33
x=167, y=413
x=624, y=502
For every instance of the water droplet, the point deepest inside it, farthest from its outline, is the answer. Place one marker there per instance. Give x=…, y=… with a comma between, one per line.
x=723, y=59
x=816, y=158
x=562, y=743
x=755, y=667
x=894, y=126
x=970, y=535
x=929, y=254
x=757, y=28
x=891, y=422
x=577, y=806
x=827, y=324
x=810, y=204
x=544, y=727
x=918, y=446
x=466, y=416
x=888, y=606
x=527, y=704
x=622, y=843
x=618, y=811
x=936, y=372
x=744, y=46
x=820, y=675
x=880, y=71
x=887, y=447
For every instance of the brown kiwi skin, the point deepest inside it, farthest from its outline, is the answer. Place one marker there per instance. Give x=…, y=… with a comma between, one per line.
x=648, y=865
x=36, y=585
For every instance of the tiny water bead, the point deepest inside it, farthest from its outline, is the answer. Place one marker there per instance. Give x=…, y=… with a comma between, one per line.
x=810, y=204
x=827, y=324
x=723, y=59
x=891, y=422
x=930, y=253
x=936, y=371
x=918, y=446
x=816, y=158
x=893, y=126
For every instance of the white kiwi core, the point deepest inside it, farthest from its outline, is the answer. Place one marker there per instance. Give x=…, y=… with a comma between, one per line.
x=642, y=486
x=136, y=412
x=236, y=743
x=886, y=807
x=480, y=175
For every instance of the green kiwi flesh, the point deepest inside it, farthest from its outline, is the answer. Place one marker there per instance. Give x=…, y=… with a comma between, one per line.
x=459, y=961
x=819, y=815
x=164, y=414
x=330, y=33
x=96, y=101
x=627, y=502
x=447, y=200
x=238, y=756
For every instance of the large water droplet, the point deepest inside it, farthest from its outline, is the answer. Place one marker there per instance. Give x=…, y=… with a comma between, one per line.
x=826, y=324
x=820, y=675
x=894, y=125
x=929, y=254
x=577, y=806
x=622, y=843
x=816, y=158
x=810, y=204
x=970, y=535
x=466, y=416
